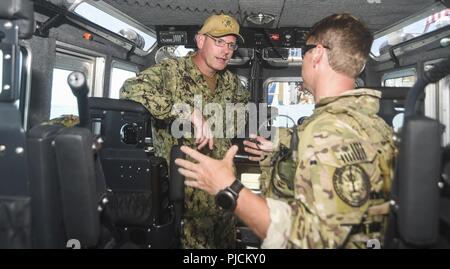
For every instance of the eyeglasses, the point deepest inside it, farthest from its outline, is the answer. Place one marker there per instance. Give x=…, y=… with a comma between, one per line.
x=219, y=42
x=307, y=48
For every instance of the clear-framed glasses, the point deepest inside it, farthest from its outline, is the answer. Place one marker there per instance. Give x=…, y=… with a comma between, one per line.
x=221, y=43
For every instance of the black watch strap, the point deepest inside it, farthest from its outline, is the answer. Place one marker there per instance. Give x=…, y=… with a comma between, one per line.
x=236, y=187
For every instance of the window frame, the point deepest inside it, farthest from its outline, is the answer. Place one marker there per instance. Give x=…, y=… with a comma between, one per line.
x=270, y=80
x=394, y=74
x=25, y=83
x=73, y=58
x=437, y=101
x=404, y=72
x=415, y=42
x=110, y=10
x=277, y=79
x=120, y=65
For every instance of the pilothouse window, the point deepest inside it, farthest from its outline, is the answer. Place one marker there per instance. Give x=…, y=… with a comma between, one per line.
x=119, y=73
x=433, y=19
x=113, y=20
x=63, y=101
x=1, y=71
x=290, y=99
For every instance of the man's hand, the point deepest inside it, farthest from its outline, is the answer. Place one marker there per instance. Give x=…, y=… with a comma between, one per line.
x=260, y=147
x=213, y=176
x=202, y=132
x=209, y=174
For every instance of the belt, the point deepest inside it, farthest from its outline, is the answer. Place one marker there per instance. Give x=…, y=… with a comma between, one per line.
x=366, y=228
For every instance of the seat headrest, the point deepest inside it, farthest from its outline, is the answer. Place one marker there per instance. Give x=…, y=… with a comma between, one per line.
x=117, y=105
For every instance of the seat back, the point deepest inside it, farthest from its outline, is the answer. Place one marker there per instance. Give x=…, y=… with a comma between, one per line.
x=16, y=17
x=415, y=189
x=65, y=190
x=416, y=217
x=138, y=180
x=77, y=179
x=15, y=221
x=47, y=221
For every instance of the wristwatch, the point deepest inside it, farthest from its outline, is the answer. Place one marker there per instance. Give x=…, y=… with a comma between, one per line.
x=227, y=198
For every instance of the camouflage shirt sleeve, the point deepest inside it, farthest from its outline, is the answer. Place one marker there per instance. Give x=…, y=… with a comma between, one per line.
x=332, y=183
x=148, y=89
x=280, y=225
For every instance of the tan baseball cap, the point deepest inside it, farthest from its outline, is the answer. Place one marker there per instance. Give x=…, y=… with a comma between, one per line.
x=221, y=25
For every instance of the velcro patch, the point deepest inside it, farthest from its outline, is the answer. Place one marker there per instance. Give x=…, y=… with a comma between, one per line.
x=352, y=153
x=352, y=185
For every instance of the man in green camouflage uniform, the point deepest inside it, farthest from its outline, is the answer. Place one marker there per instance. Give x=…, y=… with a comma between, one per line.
x=330, y=189
x=177, y=81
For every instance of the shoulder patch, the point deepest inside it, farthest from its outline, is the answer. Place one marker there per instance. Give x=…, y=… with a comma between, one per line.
x=343, y=154
x=352, y=185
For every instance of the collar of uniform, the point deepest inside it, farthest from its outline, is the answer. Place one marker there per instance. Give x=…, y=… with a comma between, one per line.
x=197, y=76
x=354, y=92
x=192, y=69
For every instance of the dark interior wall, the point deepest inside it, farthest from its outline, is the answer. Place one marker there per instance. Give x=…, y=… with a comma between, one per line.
x=241, y=70
x=73, y=35
x=290, y=71
x=371, y=77
x=42, y=62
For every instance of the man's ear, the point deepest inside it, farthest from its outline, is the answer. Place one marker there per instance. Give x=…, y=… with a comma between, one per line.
x=200, y=40
x=319, y=54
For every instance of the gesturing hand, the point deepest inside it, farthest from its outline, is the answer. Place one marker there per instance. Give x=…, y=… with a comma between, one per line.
x=259, y=147
x=208, y=174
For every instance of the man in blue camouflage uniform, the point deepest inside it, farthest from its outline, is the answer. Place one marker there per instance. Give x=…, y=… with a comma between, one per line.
x=329, y=189
x=178, y=81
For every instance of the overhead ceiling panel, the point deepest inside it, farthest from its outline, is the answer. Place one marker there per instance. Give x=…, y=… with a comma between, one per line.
x=174, y=12
x=248, y=7
x=377, y=14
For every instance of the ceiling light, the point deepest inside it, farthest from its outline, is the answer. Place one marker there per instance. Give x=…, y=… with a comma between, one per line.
x=260, y=18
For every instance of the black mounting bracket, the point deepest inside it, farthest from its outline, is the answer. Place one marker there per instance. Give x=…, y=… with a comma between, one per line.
x=44, y=28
